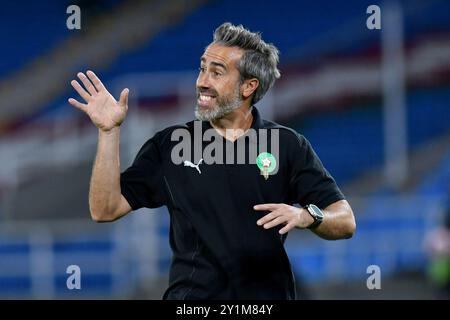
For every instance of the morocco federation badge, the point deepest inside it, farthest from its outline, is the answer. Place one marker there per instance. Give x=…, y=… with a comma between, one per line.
x=266, y=162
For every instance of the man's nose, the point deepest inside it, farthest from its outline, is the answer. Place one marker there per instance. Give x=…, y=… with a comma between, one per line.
x=203, y=81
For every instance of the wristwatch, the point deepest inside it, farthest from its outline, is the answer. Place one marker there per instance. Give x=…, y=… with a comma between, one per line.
x=317, y=215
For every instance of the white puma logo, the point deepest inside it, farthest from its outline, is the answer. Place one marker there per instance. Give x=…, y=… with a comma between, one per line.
x=190, y=164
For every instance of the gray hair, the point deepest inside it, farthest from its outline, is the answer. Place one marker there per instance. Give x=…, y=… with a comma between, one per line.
x=259, y=60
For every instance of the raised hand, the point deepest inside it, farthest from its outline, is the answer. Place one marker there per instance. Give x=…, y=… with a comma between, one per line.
x=101, y=107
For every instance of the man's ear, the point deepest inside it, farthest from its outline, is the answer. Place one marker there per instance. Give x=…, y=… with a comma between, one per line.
x=249, y=87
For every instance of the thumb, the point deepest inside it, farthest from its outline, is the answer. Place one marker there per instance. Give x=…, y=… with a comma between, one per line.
x=123, y=100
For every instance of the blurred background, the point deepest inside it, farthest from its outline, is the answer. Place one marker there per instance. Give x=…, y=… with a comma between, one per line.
x=375, y=105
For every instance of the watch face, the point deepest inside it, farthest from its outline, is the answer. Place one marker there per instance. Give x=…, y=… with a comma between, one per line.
x=316, y=211
x=317, y=214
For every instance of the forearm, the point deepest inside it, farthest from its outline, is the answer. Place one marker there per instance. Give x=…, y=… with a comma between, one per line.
x=104, y=193
x=338, y=222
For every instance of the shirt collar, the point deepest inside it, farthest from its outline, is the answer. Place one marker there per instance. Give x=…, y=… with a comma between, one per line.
x=257, y=121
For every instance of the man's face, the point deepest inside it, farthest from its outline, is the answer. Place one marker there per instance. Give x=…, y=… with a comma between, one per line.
x=218, y=82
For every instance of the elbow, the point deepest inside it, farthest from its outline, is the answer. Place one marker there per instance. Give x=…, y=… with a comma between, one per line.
x=100, y=219
x=349, y=224
x=350, y=228
x=101, y=216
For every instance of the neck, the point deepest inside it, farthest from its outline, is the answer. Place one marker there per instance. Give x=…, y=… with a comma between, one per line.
x=234, y=124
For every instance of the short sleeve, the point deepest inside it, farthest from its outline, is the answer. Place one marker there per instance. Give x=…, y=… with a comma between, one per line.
x=142, y=183
x=310, y=181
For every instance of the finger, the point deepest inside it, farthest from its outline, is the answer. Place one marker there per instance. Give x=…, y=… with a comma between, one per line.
x=267, y=206
x=95, y=80
x=123, y=100
x=78, y=105
x=87, y=83
x=287, y=228
x=275, y=222
x=83, y=93
x=268, y=217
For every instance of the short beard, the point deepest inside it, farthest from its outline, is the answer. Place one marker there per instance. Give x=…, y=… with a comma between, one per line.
x=225, y=105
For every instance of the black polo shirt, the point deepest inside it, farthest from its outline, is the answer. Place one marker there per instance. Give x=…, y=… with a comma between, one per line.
x=219, y=252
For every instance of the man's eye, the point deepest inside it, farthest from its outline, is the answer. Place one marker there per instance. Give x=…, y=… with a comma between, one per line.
x=201, y=69
x=216, y=73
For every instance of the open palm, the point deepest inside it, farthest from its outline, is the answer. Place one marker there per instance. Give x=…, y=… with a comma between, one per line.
x=101, y=107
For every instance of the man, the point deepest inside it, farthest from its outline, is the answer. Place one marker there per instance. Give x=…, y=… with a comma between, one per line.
x=229, y=220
